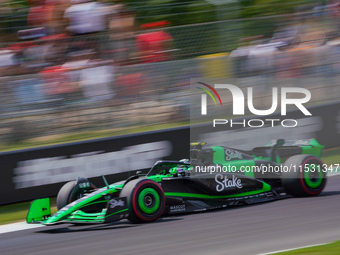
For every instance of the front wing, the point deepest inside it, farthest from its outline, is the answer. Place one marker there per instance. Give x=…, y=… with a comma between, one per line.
x=40, y=212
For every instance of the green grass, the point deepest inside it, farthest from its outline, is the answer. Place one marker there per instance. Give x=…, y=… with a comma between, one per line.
x=331, y=156
x=326, y=249
x=17, y=212
x=81, y=136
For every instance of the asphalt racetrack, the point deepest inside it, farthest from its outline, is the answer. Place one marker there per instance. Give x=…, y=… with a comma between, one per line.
x=255, y=229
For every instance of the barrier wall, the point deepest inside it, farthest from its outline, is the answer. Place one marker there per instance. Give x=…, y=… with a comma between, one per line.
x=40, y=172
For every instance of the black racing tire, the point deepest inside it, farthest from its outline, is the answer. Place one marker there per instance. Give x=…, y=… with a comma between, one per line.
x=302, y=180
x=67, y=194
x=145, y=200
x=64, y=196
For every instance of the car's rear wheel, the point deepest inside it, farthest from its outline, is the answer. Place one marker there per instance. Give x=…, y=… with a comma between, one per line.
x=145, y=199
x=304, y=175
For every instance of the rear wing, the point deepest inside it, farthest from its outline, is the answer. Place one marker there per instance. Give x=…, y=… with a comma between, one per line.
x=303, y=146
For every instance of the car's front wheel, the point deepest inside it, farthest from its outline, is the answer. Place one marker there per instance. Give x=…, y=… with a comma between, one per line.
x=73, y=190
x=145, y=199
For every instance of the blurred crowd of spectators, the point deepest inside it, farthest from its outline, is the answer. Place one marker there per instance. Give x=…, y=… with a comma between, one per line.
x=78, y=64
x=307, y=46
x=79, y=48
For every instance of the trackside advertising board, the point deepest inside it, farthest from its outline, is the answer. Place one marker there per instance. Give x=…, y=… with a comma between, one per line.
x=41, y=172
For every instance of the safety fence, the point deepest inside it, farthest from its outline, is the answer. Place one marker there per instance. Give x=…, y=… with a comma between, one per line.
x=49, y=89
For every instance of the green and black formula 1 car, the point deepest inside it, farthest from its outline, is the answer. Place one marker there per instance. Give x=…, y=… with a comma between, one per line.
x=214, y=177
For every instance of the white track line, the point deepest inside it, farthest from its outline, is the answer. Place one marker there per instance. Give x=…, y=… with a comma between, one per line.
x=302, y=247
x=333, y=173
x=17, y=227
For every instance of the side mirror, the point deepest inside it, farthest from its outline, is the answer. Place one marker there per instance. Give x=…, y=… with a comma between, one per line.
x=138, y=172
x=280, y=142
